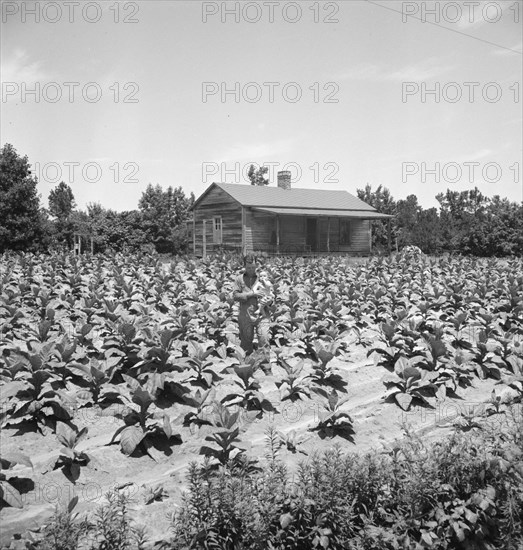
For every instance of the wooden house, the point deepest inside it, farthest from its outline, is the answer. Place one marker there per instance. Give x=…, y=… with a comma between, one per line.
x=281, y=220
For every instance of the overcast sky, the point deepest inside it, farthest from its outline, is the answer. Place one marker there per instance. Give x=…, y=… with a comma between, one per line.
x=184, y=93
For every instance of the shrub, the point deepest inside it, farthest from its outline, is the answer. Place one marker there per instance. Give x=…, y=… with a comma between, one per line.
x=465, y=491
x=111, y=528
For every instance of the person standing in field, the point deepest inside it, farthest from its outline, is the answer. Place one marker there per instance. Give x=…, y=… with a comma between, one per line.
x=253, y=295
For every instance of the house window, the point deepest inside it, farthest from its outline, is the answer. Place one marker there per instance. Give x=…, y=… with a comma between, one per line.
x=189, y=228
x=217, y=230
x=345, y=232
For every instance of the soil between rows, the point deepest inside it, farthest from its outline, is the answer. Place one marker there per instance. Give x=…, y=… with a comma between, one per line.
x=377, y=425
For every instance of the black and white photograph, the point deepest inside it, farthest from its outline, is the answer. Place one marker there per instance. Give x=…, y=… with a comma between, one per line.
x=261, y=275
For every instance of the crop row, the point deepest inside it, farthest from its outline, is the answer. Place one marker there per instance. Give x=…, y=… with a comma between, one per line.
x=154, y=345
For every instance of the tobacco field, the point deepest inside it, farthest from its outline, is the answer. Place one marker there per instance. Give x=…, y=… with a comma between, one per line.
x=125, y=374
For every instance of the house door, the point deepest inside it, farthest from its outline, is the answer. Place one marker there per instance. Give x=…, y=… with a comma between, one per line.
x=311, y=233
x=217, y=230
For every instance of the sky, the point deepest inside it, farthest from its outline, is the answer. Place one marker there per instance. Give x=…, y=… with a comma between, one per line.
x=418, y=97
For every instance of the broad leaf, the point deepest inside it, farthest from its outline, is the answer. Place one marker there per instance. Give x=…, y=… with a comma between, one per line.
x=167, y=428
x=285, y=520
x=10, y=495
x=130, y=438
x=404, y=400
x=8, y=460
x=68, y=453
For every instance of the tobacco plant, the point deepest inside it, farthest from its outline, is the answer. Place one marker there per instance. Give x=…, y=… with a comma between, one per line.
x=144, y=424
x=9, y=493
x=224, y=436
x=250, y=398
x=487, y=363
x=37, y=401
x=332, y=421
x=408, y=383
x=203, y=368
x=323, y=373
x=95, y=380
x=70, y=460
x=293, y=386
x=197, y=399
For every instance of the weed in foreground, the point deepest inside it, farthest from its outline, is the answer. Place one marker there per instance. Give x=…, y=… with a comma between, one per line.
x=463, y=492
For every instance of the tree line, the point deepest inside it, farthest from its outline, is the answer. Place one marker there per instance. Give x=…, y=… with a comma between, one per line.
x=466, y=222
x=159, y=223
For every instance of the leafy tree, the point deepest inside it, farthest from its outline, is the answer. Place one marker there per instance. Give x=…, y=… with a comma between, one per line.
x=97, y=224
x=61, y=206
x=164, y=215
x=126, y=231
x=471, y=223
x=61, y=201
x=258, y=177
x=408, y=212
x=111, y=230
x=382, y=201
x=459, y=212
x=101, y=227
x=427, y=232
x=498, y=232
x=21, y=219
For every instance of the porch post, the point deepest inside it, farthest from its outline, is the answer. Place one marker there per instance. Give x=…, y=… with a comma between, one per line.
x=204, y=241
x=389, y=236
x=243, y=231
x=277, y=233
x=328, y=234
x=194, y=233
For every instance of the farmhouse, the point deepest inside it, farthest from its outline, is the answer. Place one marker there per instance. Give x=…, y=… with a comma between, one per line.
x=281, y=220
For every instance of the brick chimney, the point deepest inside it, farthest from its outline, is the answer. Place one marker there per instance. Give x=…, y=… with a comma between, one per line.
x=284, y=179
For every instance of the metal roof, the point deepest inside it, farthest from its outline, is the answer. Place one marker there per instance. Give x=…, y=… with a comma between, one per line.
x=276, y=197
x=360, y=214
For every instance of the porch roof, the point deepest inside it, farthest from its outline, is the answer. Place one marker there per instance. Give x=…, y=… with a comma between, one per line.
x=359, y=214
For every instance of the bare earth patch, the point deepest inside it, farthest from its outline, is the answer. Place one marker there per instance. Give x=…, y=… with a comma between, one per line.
x=376, y=424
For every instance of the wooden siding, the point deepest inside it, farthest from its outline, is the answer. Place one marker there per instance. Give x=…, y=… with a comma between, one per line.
x=293, y=233
x=359, y=236
x=257, y=230
x=218, y=203
x=263, y=228
x=249, y=230
x=360, y=231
